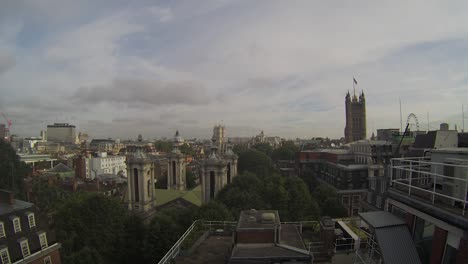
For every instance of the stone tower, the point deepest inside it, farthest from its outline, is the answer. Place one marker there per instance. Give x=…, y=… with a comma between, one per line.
x=176, y=171
x=140, y=171
x=355, y=117
x=231, y=163
x=219, y=136
x=213, y=174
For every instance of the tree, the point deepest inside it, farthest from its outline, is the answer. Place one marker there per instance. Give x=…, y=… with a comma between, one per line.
x=308, y=176
x=300, y=205
x=90, y=220
x=243, y=193
x=163, y=145
x=132, y=241
x=329, y=201
x=187, y=149
x=13, y=170
x=264, y=147
x=239, y=148
x=287, y=151
x=191, y=179
x=214, y=211
x=254, y=161
x=163, y=232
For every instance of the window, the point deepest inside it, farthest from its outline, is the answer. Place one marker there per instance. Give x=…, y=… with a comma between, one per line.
x=31, y=220
x=47, y=260
x=25, y=248
x=17, y=224
x=5, y=256
x=2, y=230
x=43, y=240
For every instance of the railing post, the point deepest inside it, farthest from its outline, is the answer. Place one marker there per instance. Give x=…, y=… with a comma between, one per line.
x=434, y=189
x=466, y=193
x=410, y=177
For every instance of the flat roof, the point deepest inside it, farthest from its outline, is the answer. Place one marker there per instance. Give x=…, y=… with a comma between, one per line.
x=6, y=208
x=381, y=219
x=266, y=251
x=253, y=219
x=451, y=150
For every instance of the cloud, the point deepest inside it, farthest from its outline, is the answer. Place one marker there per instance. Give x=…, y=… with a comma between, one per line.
x=146, y=92
x=6, y=62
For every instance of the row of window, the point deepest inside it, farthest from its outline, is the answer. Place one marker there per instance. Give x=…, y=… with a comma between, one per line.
x=17, y=224
x=24, y=245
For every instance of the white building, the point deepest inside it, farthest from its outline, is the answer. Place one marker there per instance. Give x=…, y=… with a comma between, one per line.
x=104, y=164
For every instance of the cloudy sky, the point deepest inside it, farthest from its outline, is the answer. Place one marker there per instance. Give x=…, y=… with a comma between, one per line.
x=118, y=68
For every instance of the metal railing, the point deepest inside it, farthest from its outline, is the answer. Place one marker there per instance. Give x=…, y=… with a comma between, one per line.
x=205, y=225
x=422, y=178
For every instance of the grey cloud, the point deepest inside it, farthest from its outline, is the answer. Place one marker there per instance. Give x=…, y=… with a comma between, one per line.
x=6, y=62
x=150, y=92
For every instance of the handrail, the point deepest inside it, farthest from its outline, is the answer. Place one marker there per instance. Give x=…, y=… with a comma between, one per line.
x=172, y=253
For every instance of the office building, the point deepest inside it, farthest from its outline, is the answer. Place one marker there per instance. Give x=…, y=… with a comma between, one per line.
x=61, y=133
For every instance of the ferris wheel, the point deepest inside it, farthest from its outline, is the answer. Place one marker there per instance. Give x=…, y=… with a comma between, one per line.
x=412, y=122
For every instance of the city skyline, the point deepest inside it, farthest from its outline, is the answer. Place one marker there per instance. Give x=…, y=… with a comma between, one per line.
x=117, y=70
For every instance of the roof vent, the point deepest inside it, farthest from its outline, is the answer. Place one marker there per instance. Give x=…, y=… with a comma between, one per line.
x=251, y=219
x=268, y=218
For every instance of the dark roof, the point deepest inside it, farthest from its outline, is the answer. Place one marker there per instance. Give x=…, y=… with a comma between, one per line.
x=425, y=140
x=6, y=208
x=60, y=168
x=396, y=245
x=381, y=219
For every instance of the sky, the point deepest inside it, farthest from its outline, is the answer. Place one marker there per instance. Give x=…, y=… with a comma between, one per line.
x=120, y=68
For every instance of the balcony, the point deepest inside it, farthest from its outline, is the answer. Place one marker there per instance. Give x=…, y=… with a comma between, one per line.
x=443, y=185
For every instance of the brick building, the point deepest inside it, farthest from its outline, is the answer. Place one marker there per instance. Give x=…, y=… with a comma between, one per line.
x=24, y=235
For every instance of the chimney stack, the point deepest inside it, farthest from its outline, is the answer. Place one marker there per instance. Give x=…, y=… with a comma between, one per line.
x=7, y=197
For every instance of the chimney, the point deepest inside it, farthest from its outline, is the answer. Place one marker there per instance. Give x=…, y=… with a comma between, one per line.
x=444, y=127
x=7, y=197
x=75, y=184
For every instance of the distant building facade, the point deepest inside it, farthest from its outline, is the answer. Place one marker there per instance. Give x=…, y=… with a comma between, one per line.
x=61, y=133
x=219, y=136
x=387, y=134
x=355, y=117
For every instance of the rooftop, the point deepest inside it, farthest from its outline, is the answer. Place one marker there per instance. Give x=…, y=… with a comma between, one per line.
x=258, y=219
x=164, y=196
x=381, y=219
x=6, y=208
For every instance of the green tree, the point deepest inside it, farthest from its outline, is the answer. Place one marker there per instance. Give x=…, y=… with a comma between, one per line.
x=214, y=211
x=163, y=145
x=90, y=220
x=329, y=201
x=132, y=241
x=191, y=178
x=300, y=205
x=84, y=256
x=255, y=161
x=264, y=147
x=46, y=197
x=308, y=176
x=163, y=232
x=187, y=149
x=239, y=148
x=244, y=192
x=287, y=151
x=13, y=170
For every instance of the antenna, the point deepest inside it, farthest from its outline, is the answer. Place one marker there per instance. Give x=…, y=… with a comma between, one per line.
x=401, y=118
x=463, y=120
x=428, y=122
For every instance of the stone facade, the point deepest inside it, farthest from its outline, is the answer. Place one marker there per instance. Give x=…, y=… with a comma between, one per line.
x=355, y=118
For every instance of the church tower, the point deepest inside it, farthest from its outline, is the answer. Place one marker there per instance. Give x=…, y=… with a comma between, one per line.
x=176, y=171
x=140, y=183
x=213, y=174
x=355, y=117
x=231, y=163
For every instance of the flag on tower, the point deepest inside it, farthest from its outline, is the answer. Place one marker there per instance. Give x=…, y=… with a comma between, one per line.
x=355, y=82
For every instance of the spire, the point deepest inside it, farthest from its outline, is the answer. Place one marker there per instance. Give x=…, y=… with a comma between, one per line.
x=214, y=150
x=177, y=142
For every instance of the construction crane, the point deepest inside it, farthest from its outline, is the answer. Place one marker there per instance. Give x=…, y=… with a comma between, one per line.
x=7, y=120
